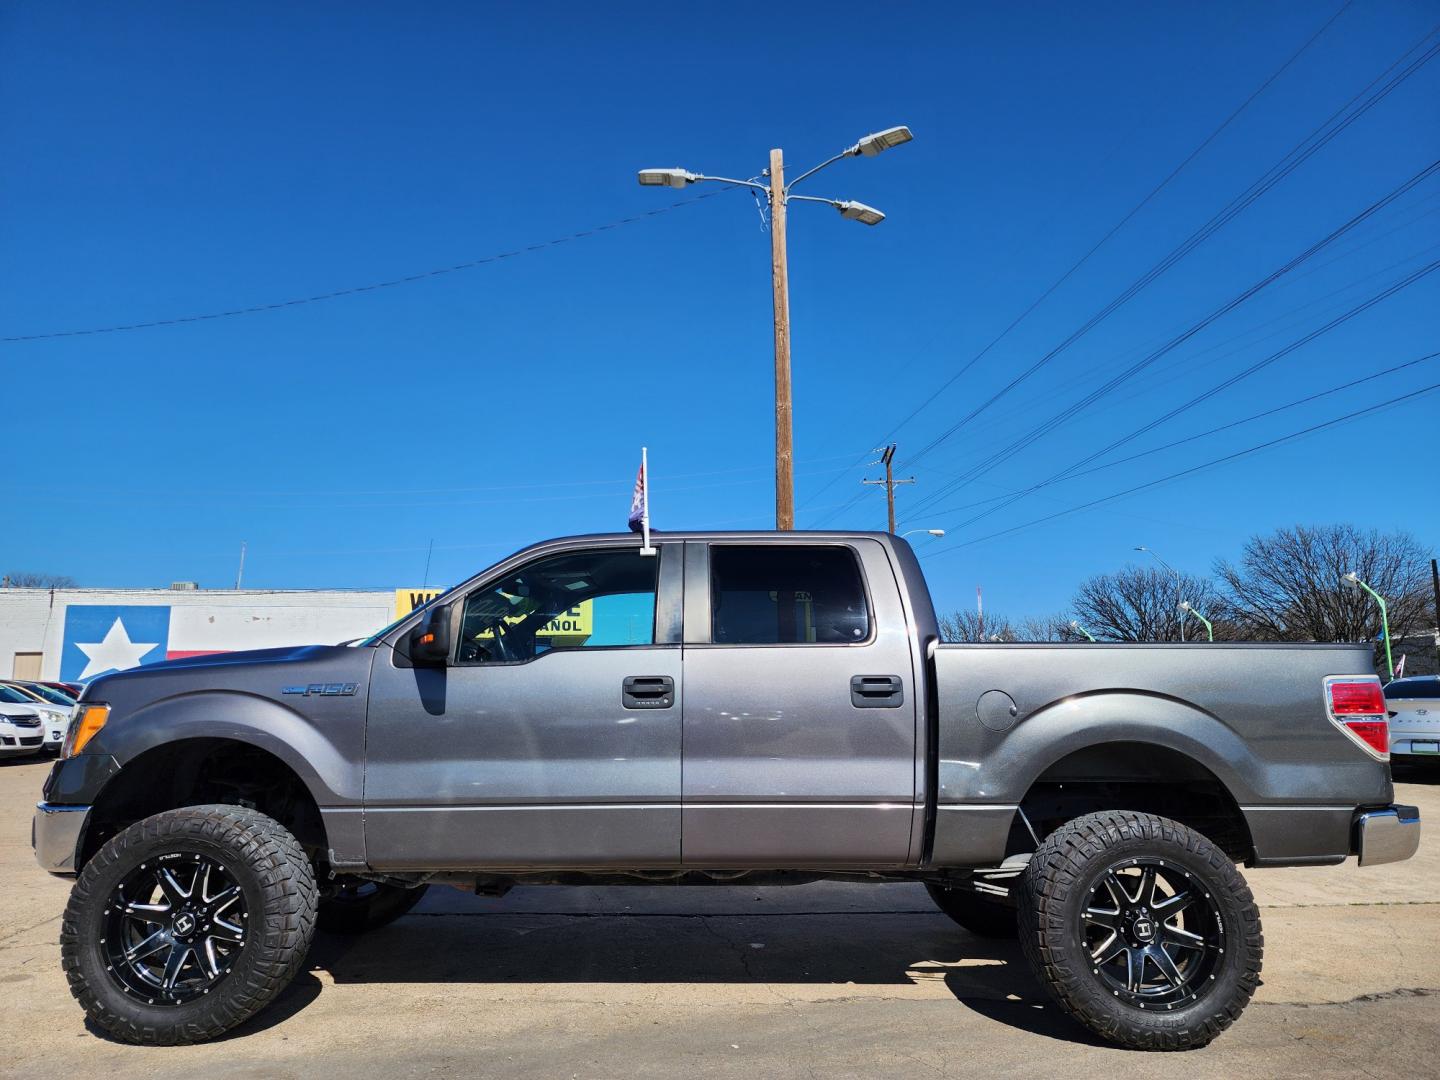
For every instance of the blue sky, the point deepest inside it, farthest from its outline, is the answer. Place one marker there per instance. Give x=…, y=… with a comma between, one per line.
x=174, y=159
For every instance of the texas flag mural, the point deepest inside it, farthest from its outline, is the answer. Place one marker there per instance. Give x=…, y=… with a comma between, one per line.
x=112, y=637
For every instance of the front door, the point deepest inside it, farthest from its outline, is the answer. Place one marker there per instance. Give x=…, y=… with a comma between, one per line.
x=553, y=736
x=800, y=707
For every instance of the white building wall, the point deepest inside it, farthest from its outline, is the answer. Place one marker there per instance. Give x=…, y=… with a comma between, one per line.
x=34, y=620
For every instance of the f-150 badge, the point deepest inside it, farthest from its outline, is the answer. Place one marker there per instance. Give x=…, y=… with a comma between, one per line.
x=326, y=689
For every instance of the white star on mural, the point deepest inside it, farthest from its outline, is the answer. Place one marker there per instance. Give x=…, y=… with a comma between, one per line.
x=116, y=653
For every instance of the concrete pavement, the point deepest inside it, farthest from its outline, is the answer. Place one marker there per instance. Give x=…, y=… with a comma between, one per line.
x=828, y=980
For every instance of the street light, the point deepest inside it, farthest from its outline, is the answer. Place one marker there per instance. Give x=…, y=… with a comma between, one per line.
x=937, y=533
x=1179, y=595
x=778, y=193
x=1187, y=609
x=1352, y=579
x=1081, y=630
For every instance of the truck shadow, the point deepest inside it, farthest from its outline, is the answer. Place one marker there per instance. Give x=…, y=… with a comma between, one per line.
x=823, y=952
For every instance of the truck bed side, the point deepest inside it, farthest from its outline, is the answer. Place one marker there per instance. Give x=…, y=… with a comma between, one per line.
x=1015, y=720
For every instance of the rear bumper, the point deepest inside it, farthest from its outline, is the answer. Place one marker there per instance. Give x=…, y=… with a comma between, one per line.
x=1387, y=835
x=55, y=834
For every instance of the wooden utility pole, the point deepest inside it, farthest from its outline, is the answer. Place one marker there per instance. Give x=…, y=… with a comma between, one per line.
x=780, y=283
x=887, y=459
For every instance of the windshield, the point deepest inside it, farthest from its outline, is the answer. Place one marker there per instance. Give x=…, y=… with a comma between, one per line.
x=55, y=697
x=10, y=696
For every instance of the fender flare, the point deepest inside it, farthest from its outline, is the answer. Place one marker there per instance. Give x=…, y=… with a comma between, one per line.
x=240, y=717
x=1059, y=729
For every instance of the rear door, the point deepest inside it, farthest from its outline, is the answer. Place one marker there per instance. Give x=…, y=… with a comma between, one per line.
x=800, y=706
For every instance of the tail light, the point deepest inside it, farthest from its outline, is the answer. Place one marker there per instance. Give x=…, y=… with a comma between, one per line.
x=1356, y=704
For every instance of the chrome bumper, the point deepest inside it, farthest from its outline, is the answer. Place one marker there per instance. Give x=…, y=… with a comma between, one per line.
x=1389, y=835
x=55, y=835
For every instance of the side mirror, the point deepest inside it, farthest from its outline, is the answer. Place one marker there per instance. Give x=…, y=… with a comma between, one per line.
x=429, y=641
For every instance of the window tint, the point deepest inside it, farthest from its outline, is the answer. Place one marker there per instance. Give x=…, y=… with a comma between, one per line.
x=579, y=600
x=1413, y=688
x=781, y=594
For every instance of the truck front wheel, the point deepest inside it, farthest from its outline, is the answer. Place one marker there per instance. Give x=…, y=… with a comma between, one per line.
x=188, y=923
x=1141, y=929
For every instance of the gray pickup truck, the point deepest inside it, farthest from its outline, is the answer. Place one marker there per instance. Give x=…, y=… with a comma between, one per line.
x=758, y=708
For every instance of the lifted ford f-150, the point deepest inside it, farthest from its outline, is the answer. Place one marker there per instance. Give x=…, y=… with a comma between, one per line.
x=744, y=707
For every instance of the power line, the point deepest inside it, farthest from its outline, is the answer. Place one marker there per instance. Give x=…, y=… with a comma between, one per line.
x=355, y=290
x=1357, y=414
x=1306, y=148
x=1287, y=165
x=1307, y=399
x=1225, y=384
x=1070, y=411
x=1176, y=171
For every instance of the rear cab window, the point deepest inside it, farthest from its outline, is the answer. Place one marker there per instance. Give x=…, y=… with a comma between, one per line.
x=787, y=594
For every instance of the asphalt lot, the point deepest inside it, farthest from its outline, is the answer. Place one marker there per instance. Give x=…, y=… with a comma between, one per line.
x=826, y=980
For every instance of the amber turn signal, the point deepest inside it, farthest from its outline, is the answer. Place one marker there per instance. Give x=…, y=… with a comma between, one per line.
x=89, y=718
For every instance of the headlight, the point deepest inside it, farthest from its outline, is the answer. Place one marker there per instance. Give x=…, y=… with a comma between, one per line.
x=86, y=720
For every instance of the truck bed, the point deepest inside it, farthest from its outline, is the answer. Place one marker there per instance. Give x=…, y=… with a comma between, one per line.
x=1252, y=716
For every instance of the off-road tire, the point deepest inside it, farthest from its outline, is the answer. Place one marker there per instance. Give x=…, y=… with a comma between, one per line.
x=279, y=893
x=1056, y=885
x=346, y=915
x=978, y=914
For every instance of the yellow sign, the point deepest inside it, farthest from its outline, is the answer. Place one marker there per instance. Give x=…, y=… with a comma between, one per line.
x=407, y=600
x=572, y=627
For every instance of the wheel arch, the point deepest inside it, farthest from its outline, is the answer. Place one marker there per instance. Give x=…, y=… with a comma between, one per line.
x=202, y=770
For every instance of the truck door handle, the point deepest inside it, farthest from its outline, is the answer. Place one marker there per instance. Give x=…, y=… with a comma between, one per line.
x=877, y=691
x=648, y=692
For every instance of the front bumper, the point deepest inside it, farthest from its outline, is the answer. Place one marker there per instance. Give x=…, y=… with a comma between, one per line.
x=1387, y=835
x=56, y=833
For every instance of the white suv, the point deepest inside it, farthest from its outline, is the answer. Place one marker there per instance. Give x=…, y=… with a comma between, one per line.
x=1414, y=705
x=15, y=701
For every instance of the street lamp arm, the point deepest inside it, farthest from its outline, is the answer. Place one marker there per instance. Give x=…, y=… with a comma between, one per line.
x=849, y=152
x=810, y=198
x=737, y=183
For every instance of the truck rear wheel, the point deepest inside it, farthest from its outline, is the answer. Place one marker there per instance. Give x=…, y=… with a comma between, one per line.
x=357, y=906
x=1141, y=929
x=976, y=913
x=187, y=924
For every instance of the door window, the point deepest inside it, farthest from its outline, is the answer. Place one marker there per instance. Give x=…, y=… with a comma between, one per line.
x=579, y=600
x=782, y=594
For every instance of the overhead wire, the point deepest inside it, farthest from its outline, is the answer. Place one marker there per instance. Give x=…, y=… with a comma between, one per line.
x=1085, y=258
x=1223, y=459
x=355, y=290
x=1052, y=422
x=1318, y=138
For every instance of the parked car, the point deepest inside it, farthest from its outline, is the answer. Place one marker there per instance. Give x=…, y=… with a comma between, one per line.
x=741, y=708
x=21, y=729
x=54, y=718
x=71, y=688
x=59, y=698
x=1414, y=705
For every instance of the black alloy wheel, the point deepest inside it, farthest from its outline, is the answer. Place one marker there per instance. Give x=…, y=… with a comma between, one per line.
x=188, y=923
x=174, y=927
x=1154, y=935
x=1141, y=929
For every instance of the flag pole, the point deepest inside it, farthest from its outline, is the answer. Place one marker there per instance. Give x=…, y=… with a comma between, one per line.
x=645, y=548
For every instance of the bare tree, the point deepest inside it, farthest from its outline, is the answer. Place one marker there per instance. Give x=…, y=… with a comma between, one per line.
x=1288, y=585
x=1143, y=604
x=964, y=625
x=967, y=625
x=21, y=579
